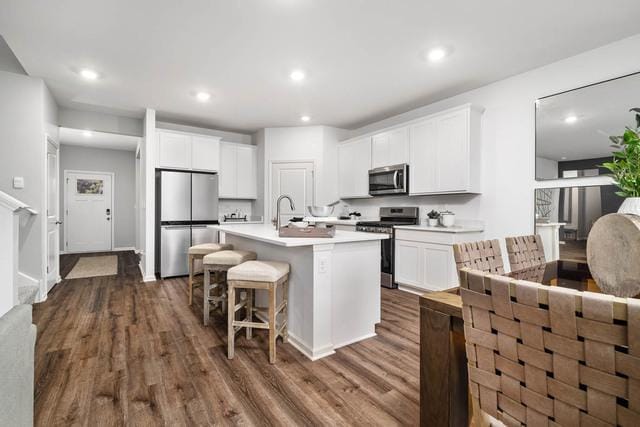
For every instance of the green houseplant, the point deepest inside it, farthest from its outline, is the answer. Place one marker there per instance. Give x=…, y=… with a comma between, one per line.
x=625, y=166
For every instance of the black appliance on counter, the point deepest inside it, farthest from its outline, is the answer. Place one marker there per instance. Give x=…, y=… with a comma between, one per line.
x=389, y=217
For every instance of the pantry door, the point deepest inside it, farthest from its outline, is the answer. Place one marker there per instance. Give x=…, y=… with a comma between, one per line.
x=88, y=211
x=296, y=181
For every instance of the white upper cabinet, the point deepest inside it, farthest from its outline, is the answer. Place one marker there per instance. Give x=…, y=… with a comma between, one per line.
x=238, y=171
x=205, y=153
x=354, y=162
x=390, y=148
x=247, y=165
x=177, y=150
x=228, y=171
x=444, y=152
x=174, y=150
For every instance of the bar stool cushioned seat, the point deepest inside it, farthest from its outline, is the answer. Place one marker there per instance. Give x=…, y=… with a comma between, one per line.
x=207, y=248
x=218, y=263
x=194, y=255
x=259, y=271
x=229, y=257
x=261, y=276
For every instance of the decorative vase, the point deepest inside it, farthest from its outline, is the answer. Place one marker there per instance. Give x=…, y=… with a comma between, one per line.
x=433, y=222
x=631, y=205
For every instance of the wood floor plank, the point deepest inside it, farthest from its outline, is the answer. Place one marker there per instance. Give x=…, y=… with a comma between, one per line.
x=114, y=350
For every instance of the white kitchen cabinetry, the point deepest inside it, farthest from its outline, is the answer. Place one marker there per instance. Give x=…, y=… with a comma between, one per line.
x=238, y=171
x=444, y=152
x=354, y=162
x=424, y=259
x=390, y=148
x=174, y=150
x=177, y=150
x=205, y=153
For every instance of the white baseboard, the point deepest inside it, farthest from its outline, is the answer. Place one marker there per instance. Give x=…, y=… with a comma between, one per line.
x=119, y=249
x=302, y=347
x=415, y=290
x=123, y=248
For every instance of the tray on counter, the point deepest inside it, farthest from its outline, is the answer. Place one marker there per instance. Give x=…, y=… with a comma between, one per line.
x=311, y=232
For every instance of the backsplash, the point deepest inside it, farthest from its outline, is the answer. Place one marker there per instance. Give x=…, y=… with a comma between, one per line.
x=465, y=206
x=229, y=206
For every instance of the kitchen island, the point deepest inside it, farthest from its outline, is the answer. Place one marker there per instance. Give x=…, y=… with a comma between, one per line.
x=334, y=284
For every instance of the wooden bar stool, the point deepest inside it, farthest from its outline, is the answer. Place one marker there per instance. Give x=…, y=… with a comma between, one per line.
x=197, y=252
x=252, y=275
x=218, y=263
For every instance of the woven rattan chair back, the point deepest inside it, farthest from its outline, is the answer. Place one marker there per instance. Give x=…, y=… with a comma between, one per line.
x=545, y=355
x=525, y=251
x=484, y=255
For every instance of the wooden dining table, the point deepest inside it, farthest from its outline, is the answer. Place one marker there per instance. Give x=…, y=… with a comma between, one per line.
x=444, y=397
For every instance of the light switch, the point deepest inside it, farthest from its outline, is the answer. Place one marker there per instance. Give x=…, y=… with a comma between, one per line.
x=18, y=182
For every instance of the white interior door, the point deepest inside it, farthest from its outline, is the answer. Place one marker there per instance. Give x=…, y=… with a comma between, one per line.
x=296, y=181
x=88, y=211
x=53, y=216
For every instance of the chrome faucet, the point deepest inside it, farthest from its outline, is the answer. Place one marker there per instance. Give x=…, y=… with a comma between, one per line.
x=284, y=196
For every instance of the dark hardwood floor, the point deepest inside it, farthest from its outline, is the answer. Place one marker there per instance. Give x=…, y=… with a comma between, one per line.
x=115, y=351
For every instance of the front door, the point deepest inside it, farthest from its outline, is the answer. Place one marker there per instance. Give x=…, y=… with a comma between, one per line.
x=53, y=216
x=295, y=180
x=88, y=211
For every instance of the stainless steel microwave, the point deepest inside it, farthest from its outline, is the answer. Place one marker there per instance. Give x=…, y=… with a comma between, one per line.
x=389, y=180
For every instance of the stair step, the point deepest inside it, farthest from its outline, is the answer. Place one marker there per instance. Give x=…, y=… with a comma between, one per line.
x=27, y=294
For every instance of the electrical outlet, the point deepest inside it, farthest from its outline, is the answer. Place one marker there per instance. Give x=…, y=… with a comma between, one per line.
x=18, y=182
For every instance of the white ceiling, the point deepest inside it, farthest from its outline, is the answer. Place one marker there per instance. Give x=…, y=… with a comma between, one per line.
x=363, y=58
x=98, y=139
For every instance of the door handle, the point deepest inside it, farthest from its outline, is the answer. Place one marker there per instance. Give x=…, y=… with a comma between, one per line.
x=58, y=222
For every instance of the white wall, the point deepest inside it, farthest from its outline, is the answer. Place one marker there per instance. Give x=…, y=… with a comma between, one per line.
x=27, y=111
x=317, y=144
x=241, y=138
x=101, y=122
x=8, y=61
x=508, y=137
x=122, y=164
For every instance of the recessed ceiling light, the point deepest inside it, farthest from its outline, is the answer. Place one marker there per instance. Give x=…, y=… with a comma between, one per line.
x=563, y=158
x=437, y=54
x=88, y=74
x=297, y=75
x=203, y=96
x=305, y=118
x=87, y=134
x=570, y=119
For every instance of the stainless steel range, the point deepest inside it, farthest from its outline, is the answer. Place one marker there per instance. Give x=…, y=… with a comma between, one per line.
x=389, y=217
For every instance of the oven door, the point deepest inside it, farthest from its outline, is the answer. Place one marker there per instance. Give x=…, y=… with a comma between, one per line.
x=388, y=180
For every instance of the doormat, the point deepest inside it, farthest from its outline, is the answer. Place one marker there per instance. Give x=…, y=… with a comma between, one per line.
x=94, y=266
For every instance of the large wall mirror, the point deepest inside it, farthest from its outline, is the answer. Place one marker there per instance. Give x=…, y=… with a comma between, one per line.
x=565, y=215
x=573, y=128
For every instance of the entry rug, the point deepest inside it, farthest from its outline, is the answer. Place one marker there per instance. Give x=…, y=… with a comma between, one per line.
x=93, y=266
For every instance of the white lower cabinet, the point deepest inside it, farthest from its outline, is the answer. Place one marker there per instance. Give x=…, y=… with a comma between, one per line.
x=424, y=259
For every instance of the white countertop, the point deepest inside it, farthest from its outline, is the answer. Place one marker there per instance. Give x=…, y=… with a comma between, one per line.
x=550, y=224
x=439, y=229
x=241, y=222
x=267, y=233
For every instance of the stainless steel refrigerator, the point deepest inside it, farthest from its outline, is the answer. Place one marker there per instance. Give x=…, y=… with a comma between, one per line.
x=186, y=202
